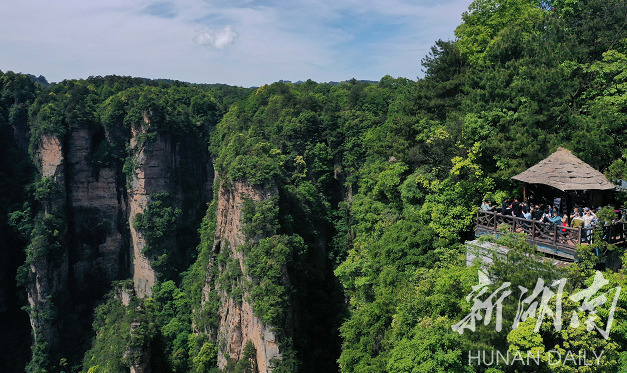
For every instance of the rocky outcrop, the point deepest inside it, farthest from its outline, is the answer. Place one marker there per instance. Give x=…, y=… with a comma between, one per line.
x=95, y=203
x=89, y=204
x=238, y=326
x=152, y=164
x=140, y=356
x=99, y=203
x=98, y=210
x=51, y=159
x=49, y=283
x=163, y=163
x=237, y=323
x=48, y=279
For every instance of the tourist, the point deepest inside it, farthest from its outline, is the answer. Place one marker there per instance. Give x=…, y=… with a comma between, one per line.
x=508, y=210
x=504, y=206
x=555, y=218
x=577, y=221
x=589, y=217
x=524, y=208
x=617, y=217
x=575, y=213
x=588, y=220
x=485, y=206
x=516, y=207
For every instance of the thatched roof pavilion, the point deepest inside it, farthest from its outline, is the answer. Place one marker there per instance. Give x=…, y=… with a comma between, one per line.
x=562, y=170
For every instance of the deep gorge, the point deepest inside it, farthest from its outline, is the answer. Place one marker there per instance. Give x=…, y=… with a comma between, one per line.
x=164, y=226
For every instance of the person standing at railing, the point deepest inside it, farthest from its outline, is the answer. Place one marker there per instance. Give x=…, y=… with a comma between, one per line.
x=504, y=206
x=524, y=208
x=589, y=218
x=564, y=222
x=552, y=211
x=574, y=214
x=617, y=217
x=576, y=221
x=516, y=208
x=485, y=206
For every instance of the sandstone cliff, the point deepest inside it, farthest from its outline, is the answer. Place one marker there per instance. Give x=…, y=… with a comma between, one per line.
x=165, y=163
x=152, y=165
x=49, y=279
x=97, y=214
x=237, y=323
x=91, y=250
x=99, y=202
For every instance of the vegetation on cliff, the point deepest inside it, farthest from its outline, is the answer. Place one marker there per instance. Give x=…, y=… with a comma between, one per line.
x=356, y=260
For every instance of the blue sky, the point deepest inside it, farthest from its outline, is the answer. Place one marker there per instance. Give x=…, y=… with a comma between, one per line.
x=238, y=42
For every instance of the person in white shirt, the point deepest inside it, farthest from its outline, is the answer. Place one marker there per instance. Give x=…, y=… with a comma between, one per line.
x=588, y=219
x=485, y=206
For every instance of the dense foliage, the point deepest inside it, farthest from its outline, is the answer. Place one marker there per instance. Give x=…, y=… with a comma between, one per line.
x=357, y=257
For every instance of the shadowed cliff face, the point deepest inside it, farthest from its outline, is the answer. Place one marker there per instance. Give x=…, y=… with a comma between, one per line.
x=98, y=207
x=94, y=252
x=49, y=273
x=99, y=204
x=178, y=166
x=15, y=172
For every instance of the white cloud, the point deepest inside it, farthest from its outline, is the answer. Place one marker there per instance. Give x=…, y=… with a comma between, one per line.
x=216, y=38
x=247, y=42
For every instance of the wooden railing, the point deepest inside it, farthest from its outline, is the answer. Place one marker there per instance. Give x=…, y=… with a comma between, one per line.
x=615, y=233
x=548, y=234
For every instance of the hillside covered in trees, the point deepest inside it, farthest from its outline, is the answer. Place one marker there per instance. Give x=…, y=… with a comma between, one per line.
x=171, y=227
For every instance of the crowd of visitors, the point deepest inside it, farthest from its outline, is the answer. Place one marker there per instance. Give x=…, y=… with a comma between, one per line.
x=580, y=217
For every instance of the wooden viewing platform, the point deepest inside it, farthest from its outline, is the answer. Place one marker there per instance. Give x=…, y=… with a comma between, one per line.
x=552, y=239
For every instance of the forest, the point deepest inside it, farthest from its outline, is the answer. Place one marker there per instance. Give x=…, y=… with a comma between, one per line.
x=332, y=218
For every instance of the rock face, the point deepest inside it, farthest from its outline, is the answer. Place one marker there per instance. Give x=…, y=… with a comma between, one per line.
x=95, y=203
x=100, y=202
x=153, y=163
x=238, y=325
x=96, y=245
x=50, y=279
x=141, y=357
x=51, y=157
x=98, y=210
x=165, y=164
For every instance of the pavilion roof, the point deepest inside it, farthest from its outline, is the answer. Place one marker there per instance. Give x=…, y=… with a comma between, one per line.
x=563, y=171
